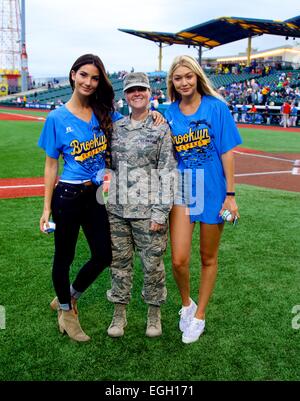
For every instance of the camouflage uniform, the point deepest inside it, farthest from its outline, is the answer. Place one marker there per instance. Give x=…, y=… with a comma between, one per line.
x=133, y=203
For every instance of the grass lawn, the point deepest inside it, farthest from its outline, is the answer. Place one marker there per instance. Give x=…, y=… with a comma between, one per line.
x=271, y=141
x=20, y=155
x=249, y=333
x=30, y=112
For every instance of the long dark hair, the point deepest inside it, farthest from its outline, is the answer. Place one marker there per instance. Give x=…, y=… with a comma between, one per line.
x=102, y=100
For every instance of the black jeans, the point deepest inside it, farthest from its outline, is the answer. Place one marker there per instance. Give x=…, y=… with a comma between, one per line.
x=75, y=206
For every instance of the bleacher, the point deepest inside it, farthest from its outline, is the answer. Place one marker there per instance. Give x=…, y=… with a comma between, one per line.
x=118, y=87
x=51, y=95
x=48, y=99
x=219, y=80
x=41, y=98
x=54, y=96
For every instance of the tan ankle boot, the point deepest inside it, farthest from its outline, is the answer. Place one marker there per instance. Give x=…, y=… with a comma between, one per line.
x=68, y=322
x=119, y=321
x=153, y=322
x=54, y=305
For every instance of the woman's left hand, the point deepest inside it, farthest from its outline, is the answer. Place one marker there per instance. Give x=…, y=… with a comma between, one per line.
x=230, y=204
x=158, y=118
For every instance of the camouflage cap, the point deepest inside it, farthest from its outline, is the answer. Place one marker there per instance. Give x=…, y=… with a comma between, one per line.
x=136, y=79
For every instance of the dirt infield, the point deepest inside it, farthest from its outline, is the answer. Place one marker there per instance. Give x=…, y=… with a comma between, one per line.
x=21, y=187
x=270, y=170
x=253, y=167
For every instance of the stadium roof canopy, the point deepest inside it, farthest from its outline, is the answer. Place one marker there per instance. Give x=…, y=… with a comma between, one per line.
x=223, y=30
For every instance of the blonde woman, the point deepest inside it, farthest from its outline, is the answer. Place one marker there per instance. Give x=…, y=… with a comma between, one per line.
x=204, y=135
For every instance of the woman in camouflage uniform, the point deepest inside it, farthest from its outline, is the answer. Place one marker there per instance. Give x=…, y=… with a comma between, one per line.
x=142, y=163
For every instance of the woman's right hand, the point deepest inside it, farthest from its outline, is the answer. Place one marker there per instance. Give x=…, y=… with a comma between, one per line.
x=51, y=169
x=44, y=220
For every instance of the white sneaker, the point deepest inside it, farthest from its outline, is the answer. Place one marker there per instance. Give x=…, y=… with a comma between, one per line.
x=186, y=315
x=193, y=331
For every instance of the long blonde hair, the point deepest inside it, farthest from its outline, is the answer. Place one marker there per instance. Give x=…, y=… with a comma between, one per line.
x=204, y=86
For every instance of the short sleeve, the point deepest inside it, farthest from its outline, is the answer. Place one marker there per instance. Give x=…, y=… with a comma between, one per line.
x=48, y=138
x=168, y=114
x=116, y=116
x=226, y=132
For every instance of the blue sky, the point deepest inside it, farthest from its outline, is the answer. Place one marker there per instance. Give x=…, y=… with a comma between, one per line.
x=58, y=31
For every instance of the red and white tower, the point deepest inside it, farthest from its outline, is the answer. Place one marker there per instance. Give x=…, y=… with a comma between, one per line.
x=24, y=59
x=10, y=35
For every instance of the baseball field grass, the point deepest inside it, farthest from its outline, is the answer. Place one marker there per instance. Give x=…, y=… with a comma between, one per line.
x=249, y=335
x=252, y=332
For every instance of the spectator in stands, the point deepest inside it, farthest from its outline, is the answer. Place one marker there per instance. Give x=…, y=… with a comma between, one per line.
x=293, y=115
x=267, y=115
x=146, y=151
x=297, y=95
x=244, y=112
x=252, y=112
x=235, y=113
x=286, y=109
x=120, y=105
x=265, y=91
x=204, y=135
x=154, y=103
x=80, y=132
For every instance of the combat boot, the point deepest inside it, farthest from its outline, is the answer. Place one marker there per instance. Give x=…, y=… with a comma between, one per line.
x=153, y=322
x=119, y=321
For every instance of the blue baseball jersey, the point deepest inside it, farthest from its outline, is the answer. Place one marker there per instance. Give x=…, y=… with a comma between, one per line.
x=82, y=144
x=200, y=139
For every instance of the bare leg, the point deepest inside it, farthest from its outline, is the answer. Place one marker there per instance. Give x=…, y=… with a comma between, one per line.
x=181, y=232
x=210, y=235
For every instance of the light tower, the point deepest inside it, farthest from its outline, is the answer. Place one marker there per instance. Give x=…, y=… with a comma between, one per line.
x=24, y=61
x=10, y=34
x=11, y=45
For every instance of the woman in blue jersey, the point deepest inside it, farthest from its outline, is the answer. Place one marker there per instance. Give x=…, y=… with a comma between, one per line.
x=204, y=135
x=79, y=131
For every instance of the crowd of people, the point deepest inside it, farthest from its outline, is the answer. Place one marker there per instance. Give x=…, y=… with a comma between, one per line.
x=241, y=96
x=286, y=115
x=251, y=91
x=253, y=102
x=238, y=68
